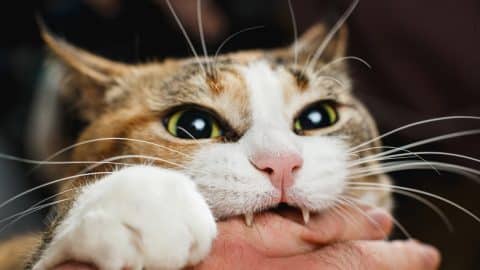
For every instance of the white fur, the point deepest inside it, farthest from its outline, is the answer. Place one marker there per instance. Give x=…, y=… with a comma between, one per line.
x=232, y=185
x=136, y=217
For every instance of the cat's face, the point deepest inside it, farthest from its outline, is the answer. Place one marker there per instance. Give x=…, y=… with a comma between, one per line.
x=253, y=129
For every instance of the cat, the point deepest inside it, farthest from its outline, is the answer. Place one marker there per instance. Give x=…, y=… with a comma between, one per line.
x=186, y=142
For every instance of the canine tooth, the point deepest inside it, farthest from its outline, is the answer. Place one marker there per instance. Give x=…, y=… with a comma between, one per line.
x=306, y=215
x=249, y=219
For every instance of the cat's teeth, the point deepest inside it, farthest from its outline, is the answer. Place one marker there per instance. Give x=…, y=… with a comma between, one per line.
x=249, y=219
x=306, y=215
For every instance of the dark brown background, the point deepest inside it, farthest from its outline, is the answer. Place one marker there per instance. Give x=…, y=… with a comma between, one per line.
x=425, y=58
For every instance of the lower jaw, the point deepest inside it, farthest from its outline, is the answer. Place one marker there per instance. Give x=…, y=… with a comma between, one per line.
x=301, y=216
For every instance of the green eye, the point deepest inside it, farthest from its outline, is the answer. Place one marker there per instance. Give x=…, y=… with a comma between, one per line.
x=319, y=115
x=193, y=124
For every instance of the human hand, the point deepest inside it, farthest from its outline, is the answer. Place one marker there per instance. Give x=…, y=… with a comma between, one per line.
x=328, y=241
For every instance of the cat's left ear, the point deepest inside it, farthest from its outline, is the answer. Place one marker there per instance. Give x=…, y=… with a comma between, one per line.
x=317, y=40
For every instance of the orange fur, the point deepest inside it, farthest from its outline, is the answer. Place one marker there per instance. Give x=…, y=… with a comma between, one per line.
x=14, y=252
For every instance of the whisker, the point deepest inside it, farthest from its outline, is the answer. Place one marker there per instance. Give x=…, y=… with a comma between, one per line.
x=36, y=205
x=430, y=140
x=220, y=47
x=28, y=212
x=440, y=198
x=317, y=76
x=295, y=32
x=42, y=162
x=380, y=147
x=362, y=212
x=189, y=134
x=341, y=59
x=394, y=220
x=372, y=158
x=68, y=148
x=381, y=159
x=432, y=120
x=202, y=35
x=185, y=34
x=151, y=158
x=422, y=200
x=343, y=213
x=330, y=35
x=416, y=165
x=49, y=184
x=418, y=155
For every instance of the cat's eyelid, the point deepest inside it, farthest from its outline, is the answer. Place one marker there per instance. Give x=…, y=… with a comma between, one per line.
x=308, y=105
x=227, y=128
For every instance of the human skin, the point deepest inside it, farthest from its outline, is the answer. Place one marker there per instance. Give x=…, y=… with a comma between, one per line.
x=350, y=240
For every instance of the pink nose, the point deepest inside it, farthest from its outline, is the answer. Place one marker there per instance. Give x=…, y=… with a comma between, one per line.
x=280, y=168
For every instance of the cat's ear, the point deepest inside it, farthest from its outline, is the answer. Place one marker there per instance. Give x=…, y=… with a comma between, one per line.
x=71, y=92
x=317, y=40
x=94, y=67
x=85, y=77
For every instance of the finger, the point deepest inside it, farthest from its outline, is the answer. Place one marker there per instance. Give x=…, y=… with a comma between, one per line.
x=237, y=244
x=270, y=234
x=346, y=224
x=364, y=255
x=75, y=266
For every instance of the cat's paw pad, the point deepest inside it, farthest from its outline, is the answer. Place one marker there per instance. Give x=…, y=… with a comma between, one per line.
x=139, y=217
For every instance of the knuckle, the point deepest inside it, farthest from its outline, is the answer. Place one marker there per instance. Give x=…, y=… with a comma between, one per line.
x=352, y=256
x=334, y=228
x=426, y=257
x=366, y=258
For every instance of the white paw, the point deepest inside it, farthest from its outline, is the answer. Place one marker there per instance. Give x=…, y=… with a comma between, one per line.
x=138, y=217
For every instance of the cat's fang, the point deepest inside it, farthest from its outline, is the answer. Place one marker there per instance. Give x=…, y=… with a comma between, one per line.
x=249, y=219
x=306, y=215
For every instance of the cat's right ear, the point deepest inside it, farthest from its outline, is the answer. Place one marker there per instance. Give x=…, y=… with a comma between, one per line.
x=71, y=92
x=86, y=77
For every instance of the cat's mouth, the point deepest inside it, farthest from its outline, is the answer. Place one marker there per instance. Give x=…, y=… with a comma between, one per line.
x=299, y=215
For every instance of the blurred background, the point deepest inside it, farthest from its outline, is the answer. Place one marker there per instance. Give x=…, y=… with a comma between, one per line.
x=425, y=63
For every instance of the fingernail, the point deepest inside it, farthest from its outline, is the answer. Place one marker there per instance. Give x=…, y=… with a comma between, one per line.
x=431, y=255
x=380, y=216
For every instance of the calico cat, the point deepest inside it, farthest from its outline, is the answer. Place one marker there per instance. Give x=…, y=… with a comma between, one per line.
x=170, y=147
x=182, y=143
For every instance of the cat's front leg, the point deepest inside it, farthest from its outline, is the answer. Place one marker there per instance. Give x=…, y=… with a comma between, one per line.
x=138, y=217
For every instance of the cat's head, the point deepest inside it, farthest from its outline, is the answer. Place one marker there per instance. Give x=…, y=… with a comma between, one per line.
x=253, y=129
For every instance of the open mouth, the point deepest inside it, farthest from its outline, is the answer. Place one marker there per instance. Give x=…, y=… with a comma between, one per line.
x=299, y=215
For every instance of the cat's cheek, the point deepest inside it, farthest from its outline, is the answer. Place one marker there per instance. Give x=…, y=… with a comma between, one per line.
x=138, y=217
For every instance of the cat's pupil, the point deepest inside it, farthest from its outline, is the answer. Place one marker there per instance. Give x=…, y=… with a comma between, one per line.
x=316, y=116
x=194, y=124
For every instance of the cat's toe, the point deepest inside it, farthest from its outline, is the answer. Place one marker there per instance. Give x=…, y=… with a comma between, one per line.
x=99, y=239
x=139, y=217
